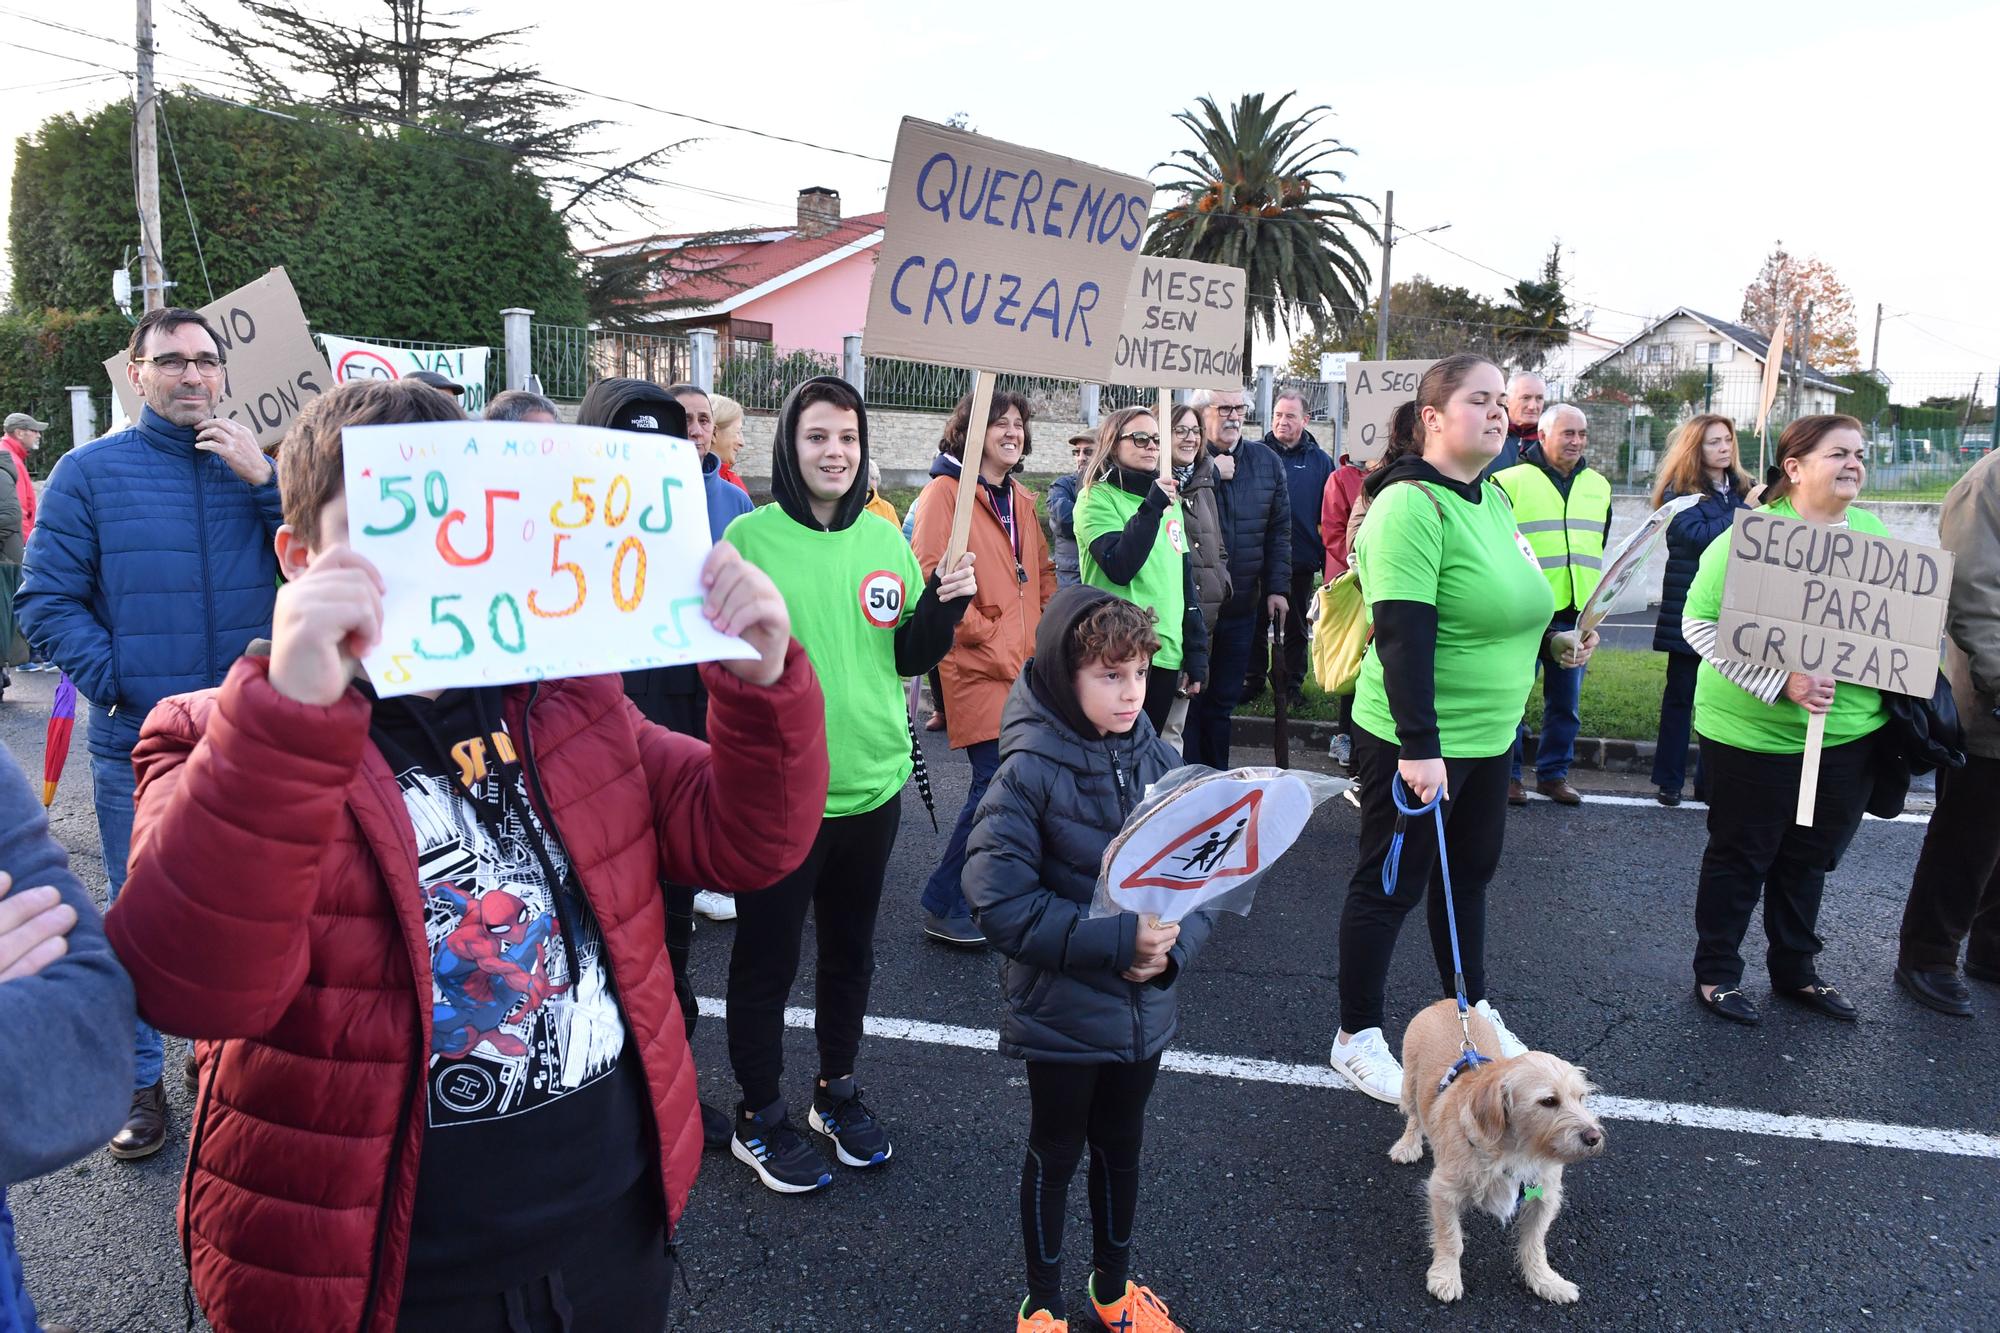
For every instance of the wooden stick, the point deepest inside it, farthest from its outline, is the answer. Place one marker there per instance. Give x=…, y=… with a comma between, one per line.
x=1809, y=770
x=968, y=472
x=1166, y=416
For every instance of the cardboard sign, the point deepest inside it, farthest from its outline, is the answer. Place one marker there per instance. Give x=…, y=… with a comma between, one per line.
x=1003, y=258
x=354, y=360
x=1375, y=389
x=1824, y=601
x=516, y=551
x=273, y=368
x=1183, y=326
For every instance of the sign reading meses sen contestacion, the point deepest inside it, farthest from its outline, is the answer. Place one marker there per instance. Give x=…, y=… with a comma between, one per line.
x=1003, y=258
x=273, y=369
x=519, y=552
x=1834, y=602
x=1183, y=326
x=1375, y=389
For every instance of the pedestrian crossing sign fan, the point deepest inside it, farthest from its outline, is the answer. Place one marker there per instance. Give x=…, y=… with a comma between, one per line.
x=1202, y=839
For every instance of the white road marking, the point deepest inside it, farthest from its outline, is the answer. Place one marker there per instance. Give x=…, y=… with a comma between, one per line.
x=1537, y=797
x=1872, y=1134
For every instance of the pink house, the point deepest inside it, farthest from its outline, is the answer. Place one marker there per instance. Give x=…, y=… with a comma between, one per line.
x=804, y=286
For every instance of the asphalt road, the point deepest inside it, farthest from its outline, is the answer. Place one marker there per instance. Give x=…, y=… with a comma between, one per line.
x=1269, y=1199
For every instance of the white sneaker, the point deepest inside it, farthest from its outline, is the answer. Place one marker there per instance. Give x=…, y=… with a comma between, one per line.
x=1510, y=1045
x=715, y=906
x=1366, y=1063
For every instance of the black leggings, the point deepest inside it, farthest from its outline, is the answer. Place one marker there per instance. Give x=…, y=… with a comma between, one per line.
x=1162, y=684
x=841, y=882
x=1103, y=1105
x=1475, y=825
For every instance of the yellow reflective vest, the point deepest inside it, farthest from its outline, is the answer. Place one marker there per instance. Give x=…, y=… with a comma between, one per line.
x=1567, y=536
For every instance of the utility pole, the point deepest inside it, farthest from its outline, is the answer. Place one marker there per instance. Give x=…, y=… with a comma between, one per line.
x=1382, y=305
x=152, y=273
x=1799, y=362
x=1875, y=350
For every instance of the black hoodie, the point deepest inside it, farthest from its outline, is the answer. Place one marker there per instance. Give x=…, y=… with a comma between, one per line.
x=923, y=639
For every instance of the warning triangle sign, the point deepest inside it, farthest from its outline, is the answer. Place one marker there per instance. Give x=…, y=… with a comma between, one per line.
x=1223, y=846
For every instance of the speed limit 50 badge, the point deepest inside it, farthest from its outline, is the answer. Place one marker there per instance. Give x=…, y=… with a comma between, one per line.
x=1175, y=537
x=882, y=599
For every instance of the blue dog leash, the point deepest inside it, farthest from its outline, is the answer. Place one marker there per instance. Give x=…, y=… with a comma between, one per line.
x=1468, y=1053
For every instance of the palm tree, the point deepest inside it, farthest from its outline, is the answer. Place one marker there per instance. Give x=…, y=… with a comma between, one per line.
x=1256, y=194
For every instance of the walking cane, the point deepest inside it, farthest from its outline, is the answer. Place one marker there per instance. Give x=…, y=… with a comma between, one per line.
x=1281, y=741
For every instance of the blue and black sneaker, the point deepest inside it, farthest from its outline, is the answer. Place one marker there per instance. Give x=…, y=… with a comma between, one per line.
x=766, y=1142
x=858, y=1138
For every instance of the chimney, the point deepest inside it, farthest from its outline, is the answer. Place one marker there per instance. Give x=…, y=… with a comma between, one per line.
x=819, y=210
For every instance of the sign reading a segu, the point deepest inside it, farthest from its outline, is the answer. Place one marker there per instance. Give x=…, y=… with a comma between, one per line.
x=1375, y=389
x=272, y=371
x=1003, y=258
x=1827, y=601
x=1183, y=326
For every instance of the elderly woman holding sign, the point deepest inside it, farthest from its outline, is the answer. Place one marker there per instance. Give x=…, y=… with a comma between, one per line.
x=1016, y=578
x=1753, y=721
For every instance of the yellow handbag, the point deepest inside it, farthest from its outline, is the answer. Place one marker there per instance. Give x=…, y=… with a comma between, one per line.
x=1340, y=637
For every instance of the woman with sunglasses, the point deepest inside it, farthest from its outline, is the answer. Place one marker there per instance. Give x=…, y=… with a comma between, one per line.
x=1132, y=540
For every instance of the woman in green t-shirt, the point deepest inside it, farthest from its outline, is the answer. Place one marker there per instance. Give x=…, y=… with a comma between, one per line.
x=1131, y=539
x=1460, y=607
x=1752, y=724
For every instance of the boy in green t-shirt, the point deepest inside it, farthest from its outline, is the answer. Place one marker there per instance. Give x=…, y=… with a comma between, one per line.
x=852, y=589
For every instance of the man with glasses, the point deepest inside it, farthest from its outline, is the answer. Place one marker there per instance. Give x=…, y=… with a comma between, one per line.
x=1254, y=505
x=151, y=569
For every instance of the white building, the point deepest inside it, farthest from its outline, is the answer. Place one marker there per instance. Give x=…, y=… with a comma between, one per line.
x=1690, y=340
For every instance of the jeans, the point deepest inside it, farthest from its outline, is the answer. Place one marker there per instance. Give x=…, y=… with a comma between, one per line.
x=1562, y=697
x=1676, y=727
x=1754, y=849
x=1955, y=897
x=111, y=783
x=942, y=896
x=1206, y=738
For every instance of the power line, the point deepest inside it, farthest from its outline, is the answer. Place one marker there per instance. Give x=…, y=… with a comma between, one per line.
x=193, y=230
x=57, y=55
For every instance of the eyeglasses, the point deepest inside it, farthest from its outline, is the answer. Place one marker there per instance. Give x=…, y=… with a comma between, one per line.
x=1187, y=432
x=1232, y=409
x=174, y=366
x=1144, y=439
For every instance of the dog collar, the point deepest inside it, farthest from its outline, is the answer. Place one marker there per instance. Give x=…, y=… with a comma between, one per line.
x=1466, y=1060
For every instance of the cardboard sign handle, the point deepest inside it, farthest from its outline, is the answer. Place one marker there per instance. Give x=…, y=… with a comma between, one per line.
x=968, y=472
x=1809, y=770
x=1164, y=426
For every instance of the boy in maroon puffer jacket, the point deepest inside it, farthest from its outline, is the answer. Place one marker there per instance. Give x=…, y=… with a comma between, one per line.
x=444, y=1077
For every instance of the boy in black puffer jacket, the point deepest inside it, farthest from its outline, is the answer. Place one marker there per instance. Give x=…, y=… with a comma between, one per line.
x=1090, y=1001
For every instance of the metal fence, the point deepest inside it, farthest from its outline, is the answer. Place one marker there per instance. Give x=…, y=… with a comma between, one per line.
x=569, y=359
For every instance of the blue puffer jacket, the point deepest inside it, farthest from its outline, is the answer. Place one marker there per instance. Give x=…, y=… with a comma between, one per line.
x=1256, y=511
x=1307, y=466
x=1687, y=537
x=149, y=573
x=17, y=1312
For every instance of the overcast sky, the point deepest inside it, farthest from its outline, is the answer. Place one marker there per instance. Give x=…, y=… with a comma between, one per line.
x=1668, y=146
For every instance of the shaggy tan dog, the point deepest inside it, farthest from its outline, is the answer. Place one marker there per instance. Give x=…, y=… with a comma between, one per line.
x=1501, y=1134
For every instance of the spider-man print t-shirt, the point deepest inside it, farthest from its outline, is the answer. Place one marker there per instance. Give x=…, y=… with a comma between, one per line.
x=536, y=1119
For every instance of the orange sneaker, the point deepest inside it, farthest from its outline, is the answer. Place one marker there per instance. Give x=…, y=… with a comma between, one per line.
x=1041, y=1321
x=1137, y=1310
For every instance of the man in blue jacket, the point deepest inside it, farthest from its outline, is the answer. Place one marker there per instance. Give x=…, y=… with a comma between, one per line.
x=150, y=571
x=1255, y=509
x=1307, y=466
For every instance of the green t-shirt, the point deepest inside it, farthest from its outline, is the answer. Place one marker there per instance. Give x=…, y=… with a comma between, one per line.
x=1724, y=711
x=1493, y=608
x=847, y=592
x=1108, y=507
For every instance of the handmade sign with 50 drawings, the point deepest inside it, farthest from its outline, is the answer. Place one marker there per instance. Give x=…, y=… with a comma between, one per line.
x=521, y=552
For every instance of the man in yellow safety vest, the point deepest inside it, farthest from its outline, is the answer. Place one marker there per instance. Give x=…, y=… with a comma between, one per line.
x=1563, y=508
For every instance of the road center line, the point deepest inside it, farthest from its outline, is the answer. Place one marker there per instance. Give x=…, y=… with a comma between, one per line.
x=1867, y=1133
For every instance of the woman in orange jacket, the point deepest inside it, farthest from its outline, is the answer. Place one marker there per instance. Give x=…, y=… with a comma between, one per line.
x=996, y=638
